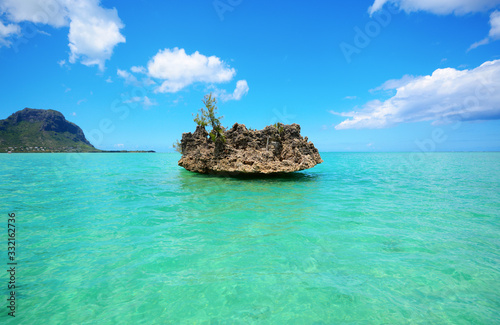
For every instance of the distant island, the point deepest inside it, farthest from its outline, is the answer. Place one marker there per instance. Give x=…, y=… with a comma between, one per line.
x=40, y=130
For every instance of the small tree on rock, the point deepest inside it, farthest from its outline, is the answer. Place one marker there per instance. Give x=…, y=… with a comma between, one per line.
x=208, y=115
x=177, y=146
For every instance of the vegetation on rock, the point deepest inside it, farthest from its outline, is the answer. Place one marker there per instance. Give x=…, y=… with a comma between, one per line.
x=177, y=146
x=279, y=127
x=208, y=116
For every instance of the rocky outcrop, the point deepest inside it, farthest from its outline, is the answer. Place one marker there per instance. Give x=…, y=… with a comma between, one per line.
x=272, y=150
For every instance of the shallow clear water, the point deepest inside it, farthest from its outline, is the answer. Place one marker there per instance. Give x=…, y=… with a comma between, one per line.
x=362, y=238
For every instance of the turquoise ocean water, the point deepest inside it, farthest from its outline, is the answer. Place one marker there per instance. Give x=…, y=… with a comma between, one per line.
x=363, y=238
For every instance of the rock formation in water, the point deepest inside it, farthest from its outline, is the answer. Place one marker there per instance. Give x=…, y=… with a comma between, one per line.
x=275, y=149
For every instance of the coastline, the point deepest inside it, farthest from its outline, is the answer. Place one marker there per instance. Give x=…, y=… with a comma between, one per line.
x=101, y=151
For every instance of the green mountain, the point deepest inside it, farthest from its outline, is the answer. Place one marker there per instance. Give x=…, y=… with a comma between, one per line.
x=40, y=130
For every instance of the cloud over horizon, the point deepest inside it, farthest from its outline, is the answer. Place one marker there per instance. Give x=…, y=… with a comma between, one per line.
x=494, y=33
x=94, y=31
x=127, y=76
x=145, y=101
x=240, y=91
x=446, y=96
x=446, y=7
x=176, y=70
x=6, y=31
x=438, y=7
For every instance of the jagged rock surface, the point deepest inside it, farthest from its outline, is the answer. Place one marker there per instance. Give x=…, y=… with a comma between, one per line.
x=249, y=151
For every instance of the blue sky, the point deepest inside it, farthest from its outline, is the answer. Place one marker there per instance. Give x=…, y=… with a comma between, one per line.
x=400, y=75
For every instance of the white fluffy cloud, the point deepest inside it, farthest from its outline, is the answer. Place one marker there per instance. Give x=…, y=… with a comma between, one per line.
x=495, y=25
x=240, y=91
x=176, y=69
x=494, y=33
x=172, y=70
x=94, y=31
x=50, y=12
x=440, y=7
x=6, y=31
x=445, y=96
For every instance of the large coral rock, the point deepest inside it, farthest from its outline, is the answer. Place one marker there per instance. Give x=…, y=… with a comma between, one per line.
x=271, y=150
